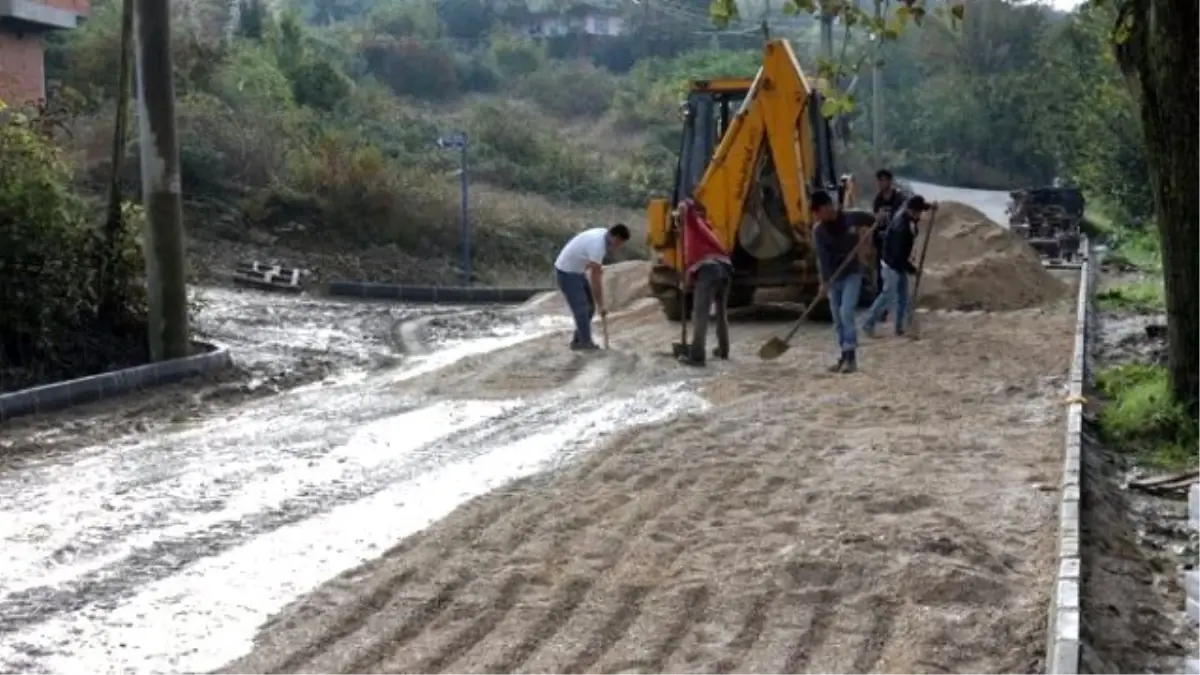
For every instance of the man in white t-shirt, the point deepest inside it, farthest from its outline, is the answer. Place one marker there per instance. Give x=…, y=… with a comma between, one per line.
x=582, y=261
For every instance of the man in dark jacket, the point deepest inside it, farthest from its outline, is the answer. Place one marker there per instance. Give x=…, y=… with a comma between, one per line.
x=841, y=274
x=898, y=241
x=889, y=200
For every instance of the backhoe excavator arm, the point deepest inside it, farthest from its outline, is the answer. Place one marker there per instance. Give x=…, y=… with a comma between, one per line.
x=781, y=115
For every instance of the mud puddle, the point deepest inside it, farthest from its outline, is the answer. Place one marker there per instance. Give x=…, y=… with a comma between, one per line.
x=166, y=552
x=1137, y=546
x=279, y=343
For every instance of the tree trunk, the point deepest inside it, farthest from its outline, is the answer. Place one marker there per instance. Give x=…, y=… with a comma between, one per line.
x=1162, y=57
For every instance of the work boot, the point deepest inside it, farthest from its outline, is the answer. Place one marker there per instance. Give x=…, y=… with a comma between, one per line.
x=851, y=364
x=690, y=360
x=584, y=347
x=841, y=363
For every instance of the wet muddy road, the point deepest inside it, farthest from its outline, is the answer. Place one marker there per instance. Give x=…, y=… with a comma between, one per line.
x=163, y=546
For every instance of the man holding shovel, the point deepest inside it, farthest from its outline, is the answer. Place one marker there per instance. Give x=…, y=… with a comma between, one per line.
x=709, y=273
x=580, y=274
x=837, y=245
x=898, y=241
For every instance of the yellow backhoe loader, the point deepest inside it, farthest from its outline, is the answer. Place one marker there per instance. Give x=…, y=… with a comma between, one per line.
x=753, y=151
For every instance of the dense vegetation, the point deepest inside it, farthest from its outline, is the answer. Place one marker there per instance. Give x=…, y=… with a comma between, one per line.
x=311, y=129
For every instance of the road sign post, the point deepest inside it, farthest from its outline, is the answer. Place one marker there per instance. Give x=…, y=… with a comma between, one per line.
x=458, y=141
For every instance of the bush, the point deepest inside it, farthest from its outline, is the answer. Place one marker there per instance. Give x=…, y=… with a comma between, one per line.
x=515, y=57
x=412, y=68
x=49, y=262
x=571, y=89
x=1143, y=417
x=513, y=150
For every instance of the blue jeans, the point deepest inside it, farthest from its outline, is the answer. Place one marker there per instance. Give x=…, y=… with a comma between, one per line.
x=894, y=297
x=578, y=293
x=843, y=300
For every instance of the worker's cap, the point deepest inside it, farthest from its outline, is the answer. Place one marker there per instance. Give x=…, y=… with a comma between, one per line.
x=917, y=203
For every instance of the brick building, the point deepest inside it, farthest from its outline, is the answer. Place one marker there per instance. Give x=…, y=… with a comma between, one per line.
x=23, y=23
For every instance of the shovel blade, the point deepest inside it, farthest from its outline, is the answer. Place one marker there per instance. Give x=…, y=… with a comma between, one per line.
x=772, y=349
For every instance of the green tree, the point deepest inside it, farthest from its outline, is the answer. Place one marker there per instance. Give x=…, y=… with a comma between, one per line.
x=1157, y=49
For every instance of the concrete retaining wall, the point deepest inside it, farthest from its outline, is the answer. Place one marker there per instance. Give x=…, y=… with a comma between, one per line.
x=1062, y=643
x=455, y=295
x=61, y=395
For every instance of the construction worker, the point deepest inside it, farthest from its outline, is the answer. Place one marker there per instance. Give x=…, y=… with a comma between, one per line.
x=889, y=200
x=841, y=274
x=708, y=272
x=579, y=270
x=898, y=241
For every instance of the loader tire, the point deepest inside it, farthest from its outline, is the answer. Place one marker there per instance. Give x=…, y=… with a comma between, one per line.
x=672, y=309
x=741, y=296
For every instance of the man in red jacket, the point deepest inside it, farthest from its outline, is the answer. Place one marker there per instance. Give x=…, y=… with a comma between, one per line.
x=708, y=272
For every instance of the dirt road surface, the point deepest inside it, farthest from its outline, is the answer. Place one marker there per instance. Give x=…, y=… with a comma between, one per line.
x=897, y=520
x=748, y=517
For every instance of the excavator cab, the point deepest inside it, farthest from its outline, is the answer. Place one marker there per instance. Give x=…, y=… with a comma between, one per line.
x=752, y=151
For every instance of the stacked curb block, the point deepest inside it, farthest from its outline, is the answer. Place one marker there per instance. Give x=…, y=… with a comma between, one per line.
x=455, y=295
x=1062, y=643
x=1192, y=578
x=59, y=395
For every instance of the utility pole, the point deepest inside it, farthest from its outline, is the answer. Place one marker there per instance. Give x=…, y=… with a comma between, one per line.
x=166, y=284
x=827, y=36
x=115, y=223
x=766, y=21
x=877, y=139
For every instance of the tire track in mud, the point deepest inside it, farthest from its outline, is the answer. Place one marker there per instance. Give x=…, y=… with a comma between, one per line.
x=692, y=609
x=566, y=602
x=479, y=629
x=629, y=606
x=817, y=580
x=381, y=646
x=752, y=628
x=374, y=652
x=879, y=634
x=628, y=531
x=128, y=575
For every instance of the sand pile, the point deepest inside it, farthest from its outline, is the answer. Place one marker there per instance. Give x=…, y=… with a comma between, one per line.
x=624, y=282
x=975, y=264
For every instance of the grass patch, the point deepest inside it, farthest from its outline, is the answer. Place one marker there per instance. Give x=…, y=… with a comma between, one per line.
x=1145, y=297
x=1142, y=418
x=1137, y=249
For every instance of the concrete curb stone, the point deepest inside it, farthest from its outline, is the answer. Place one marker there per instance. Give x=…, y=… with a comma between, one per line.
x=435, y=294
x=1063, y=638
x=60, y=395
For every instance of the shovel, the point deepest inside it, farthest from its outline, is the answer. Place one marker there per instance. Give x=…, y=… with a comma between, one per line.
x=913, y=327
x=775, y=347
x=604, y=328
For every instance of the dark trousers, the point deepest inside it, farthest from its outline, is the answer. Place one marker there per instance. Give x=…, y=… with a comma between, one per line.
x=713, y=281
x=578, y=293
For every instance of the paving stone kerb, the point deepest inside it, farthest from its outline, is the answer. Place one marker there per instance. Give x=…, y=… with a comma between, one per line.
x=1062, y=640
x=457, y=295
x=59, y=395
